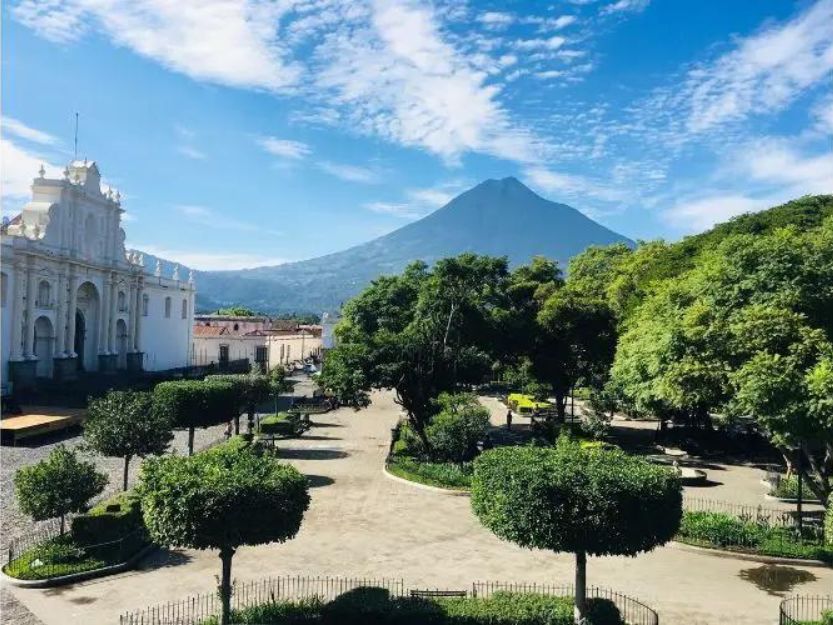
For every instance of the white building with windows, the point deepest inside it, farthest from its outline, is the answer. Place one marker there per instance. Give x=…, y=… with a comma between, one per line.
x=73, y=299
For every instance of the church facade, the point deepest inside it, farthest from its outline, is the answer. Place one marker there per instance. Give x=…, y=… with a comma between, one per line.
x=74, y=300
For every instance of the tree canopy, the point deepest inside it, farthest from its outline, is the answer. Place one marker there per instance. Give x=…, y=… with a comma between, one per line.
x=58, y=485
x=125, y=425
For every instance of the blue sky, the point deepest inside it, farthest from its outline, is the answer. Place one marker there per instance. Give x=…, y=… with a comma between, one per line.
x=246, y=132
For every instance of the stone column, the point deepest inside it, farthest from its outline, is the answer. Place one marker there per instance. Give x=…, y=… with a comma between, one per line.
x=138, y=317
x=61, y=316
x=29, y=344
x=131, y=319
x=73, y=306
x=17, y=314
x=111, y=331
x=106, y=318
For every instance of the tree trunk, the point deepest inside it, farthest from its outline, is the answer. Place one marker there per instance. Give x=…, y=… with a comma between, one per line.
x=226, y=553
x=126, y=465
x=251, y=422
x=191, y=441
x=580, y=609
x=561, y=407
x=237, y=424
x=62, y=525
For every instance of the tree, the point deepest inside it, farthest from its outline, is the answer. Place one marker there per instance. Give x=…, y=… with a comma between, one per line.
x=123, y=424
x=420, y=333
x=461, y=423
x=249, y=389
x=58, y=485
x=232, y=495
x=594, y=502
x=575, y=341
x=237, y=311
x=189, y=404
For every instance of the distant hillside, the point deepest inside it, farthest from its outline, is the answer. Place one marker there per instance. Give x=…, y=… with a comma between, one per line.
x=497, y=217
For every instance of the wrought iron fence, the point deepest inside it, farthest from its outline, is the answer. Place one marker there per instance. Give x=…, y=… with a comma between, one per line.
x=43, y=554
x=806, y=610
x=773, y=517
x=633, y=612
x=201, y=608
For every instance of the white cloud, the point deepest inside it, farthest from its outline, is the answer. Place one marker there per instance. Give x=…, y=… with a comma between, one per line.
x=550, y=73
x=823, y=113
x=233, y=43
x=697, y=215
x=350, y=173
x=20, y=130
x=206, y=261
x=550, y=43
x=764, y=73
x=496, y=19
x=391, y=208
x=19, y=168
x=191, y=152
x=420, y=202
x=625, y=6
x=214, y=219
x=284, y=148
x=778, y=162
x=398, y=77
x=572, y=186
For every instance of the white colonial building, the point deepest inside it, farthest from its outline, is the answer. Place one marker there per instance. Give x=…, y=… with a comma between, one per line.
x=74, y=300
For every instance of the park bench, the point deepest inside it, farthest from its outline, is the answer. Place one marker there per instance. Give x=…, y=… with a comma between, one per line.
x=433, y=594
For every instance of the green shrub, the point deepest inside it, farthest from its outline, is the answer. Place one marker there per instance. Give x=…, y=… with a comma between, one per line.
x=110, y=520
x=284, y=424
x=827, y=617
x=457, y=428
x=720, y=529
x=58, y=551
x=828, y=524
x=603, y=612
x=408, y=443
x=439, y=474
x=506, y=608
x=787, y=488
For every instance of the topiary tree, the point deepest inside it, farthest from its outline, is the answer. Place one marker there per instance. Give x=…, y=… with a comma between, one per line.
x=458, y=427
x=250, y=389
x=228, y=496
x=124, y=424
x=566, y=498
x=58, y=485
x=189, y=404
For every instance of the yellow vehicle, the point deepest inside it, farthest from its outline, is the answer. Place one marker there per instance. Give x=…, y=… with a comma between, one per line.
x=526, y=405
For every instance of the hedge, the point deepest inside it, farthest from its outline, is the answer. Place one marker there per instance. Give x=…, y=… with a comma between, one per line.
x=374, y=606
x=284, y=424
x=112, y=519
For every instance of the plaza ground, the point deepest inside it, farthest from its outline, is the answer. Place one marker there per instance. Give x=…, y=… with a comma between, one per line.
x=363, y=524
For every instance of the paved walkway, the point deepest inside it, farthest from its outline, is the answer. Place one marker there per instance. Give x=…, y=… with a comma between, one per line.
x=361, y=523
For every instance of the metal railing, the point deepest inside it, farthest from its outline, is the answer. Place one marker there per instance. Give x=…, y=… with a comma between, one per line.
x=633, y=612
x=201, y=608
x=806, y=610
x=773, y=517
x=40, y=556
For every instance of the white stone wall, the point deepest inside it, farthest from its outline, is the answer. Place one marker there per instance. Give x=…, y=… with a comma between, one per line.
x=207, y=348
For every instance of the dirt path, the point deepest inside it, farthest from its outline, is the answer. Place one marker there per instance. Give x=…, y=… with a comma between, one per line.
x=362, y=523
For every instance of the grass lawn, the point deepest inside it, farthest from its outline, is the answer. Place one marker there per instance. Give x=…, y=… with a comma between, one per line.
x=439, y=474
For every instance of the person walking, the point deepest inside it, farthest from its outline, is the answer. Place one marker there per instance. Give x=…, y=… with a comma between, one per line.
x=509, y=419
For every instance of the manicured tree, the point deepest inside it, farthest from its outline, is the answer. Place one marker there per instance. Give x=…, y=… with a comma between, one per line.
x=58, y=485
x=595, y=502
x=250, y=389
x=123, y=424
x=189, y=404
x=461, y=423
x=223, y=498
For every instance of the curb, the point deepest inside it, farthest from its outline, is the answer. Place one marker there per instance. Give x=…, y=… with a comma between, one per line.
x=454, y=492
x=753, y=557
x=63, y=580
x=810, y=502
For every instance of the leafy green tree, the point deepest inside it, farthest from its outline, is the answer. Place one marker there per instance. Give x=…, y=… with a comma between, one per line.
x=250, y=389
x=123, y=424
x=594, y=502
x=455, y=431
x=57, y=486
x=223, y=498
x=237, y=311
x=420, y=333
x=189, y=404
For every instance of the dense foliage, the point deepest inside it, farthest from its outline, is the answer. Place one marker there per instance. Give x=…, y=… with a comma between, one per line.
x=584, y=501
x=250, y=389
x=110, y=520
x=124, y=424
x=232, y=495
x=58, y=485
x=374, y=606
x=190, y=404
x=456, y=429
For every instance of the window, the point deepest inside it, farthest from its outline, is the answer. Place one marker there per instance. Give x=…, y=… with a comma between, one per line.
x=4, y=288
x=288, y=350
x=43, y=293
x=223, y=354
x=236, y=327
x=167, y=308
x=122, y=301
x=281, y=358
x=261, y=357
x=185, y=309
x=145, y=305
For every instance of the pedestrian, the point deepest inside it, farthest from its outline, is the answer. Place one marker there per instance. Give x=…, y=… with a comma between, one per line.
x=228, y=430
x=509, y=419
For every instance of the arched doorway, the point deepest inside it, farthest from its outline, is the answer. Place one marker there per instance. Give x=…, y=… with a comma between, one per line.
x=86, y=320
x=121, y=343
x=44, y=342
